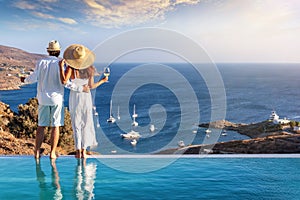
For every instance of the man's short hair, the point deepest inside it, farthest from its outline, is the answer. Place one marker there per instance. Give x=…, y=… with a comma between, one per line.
x=54, y=53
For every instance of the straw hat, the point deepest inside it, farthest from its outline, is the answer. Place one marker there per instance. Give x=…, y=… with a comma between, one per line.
x=79, y=56
x=53, y=46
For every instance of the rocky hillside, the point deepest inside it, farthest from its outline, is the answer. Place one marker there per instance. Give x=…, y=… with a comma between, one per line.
x=267, y=138
x=254, y=130
x=279, y=144
x=17, y=131
x=11, y=145
x=12, y=62
x=10, y=56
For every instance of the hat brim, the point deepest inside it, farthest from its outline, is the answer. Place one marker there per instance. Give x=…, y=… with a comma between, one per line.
x=79, y=63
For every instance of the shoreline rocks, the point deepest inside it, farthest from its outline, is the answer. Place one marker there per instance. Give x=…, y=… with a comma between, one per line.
x=17, y=131
x=280, y=144
x=266, y=138
x=10, y=145
x=254, y=130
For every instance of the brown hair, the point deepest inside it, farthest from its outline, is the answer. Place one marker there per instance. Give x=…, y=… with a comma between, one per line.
x=87, y=73
x=54, y=53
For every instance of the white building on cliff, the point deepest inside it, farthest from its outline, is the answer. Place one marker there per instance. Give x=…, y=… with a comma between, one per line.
x=276, y=120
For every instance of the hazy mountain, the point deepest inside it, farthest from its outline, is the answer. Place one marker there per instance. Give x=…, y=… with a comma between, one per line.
x=11, y=57
x=14, y=61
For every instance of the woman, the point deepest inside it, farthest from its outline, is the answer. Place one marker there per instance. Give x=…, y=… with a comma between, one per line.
x=79, y=60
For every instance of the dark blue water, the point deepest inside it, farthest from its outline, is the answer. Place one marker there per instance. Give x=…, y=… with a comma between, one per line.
x=254, y=89
x=252, y=92
x=188, y=178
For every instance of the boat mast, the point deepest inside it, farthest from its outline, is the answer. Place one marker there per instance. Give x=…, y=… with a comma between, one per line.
x=134, y=115
x=110, y=109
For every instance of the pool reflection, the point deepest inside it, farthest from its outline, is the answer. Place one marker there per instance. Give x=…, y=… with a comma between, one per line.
x=48, y=192
x=83, y=181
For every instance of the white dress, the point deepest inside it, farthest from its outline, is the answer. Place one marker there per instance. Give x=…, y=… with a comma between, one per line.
x=81, y=111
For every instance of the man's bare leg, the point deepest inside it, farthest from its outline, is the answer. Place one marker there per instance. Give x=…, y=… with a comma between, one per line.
x=39, y=140
x=54, y=141
x=83, y=151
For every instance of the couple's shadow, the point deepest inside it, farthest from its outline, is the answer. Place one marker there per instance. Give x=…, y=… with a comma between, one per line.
x=83, y=182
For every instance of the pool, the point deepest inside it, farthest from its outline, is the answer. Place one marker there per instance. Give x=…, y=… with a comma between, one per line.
x=190, y=177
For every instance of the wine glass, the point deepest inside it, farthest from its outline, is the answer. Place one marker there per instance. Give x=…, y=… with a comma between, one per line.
x=106, y=72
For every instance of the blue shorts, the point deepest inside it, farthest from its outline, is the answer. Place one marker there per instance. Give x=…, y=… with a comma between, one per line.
x=52, y=116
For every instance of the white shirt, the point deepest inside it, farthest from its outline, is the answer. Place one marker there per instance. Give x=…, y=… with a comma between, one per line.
x=50, y=90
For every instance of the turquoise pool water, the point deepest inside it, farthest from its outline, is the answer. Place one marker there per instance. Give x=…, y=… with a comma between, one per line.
x=185, y=178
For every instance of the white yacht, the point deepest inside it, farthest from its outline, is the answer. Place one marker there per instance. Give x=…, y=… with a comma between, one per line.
x=152, y=128
x=113, y=151
x=181, y=143
x=133, y=142
x=208, y=131
x=134, y=115
x=111, y=119
x=131, y=135
x=224, y=133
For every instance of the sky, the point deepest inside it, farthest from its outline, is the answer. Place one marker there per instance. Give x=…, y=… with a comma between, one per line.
x=227, y=30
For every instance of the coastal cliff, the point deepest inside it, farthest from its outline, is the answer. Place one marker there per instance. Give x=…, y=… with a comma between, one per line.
x=17, y=131
x=14, y=61
x=266, y=138
x=279, y=144
x=253, y=130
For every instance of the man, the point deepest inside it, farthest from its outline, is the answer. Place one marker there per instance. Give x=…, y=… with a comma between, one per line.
x=50, y=95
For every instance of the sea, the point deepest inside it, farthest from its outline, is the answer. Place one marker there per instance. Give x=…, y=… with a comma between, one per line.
x=175, y=98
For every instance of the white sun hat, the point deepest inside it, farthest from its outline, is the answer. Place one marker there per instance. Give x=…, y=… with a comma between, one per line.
x=53, y=46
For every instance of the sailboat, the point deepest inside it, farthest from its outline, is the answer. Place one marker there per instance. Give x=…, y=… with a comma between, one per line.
x=134, y=123
x=111, y=119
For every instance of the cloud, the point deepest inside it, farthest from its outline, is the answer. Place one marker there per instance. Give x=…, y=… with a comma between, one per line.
x=61, y=19
x=103, y=13
x=41, y=8
x=67, y=20
x=134, y=12
x=49, y=1
x=24, y=5
x=41, y=5
x=42, y=15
